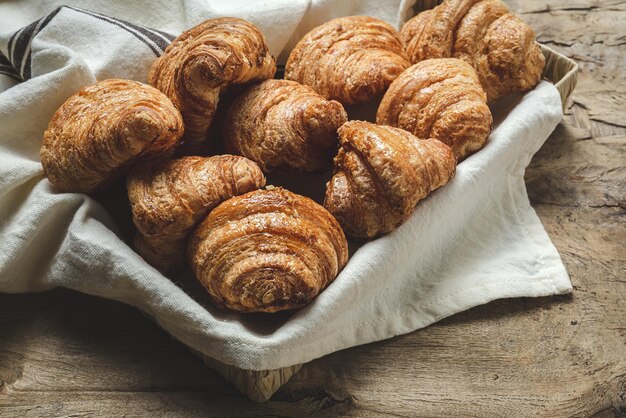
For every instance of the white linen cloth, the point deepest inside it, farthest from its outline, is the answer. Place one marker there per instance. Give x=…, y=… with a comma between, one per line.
x=475, y=240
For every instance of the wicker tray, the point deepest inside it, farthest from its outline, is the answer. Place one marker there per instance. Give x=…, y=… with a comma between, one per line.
x=261, y=385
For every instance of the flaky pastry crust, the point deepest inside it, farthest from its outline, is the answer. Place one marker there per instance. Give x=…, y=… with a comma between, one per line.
x=380, y=174
x=202, y=61
x=283, y=124
x=102, y=130
x=168, y=199
x=440, y=99
x=350, y=59
x=266, y=251
x=483, y=33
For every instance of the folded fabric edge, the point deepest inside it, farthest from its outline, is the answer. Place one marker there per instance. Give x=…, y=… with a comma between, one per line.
x=539, y=237
x=553, y=284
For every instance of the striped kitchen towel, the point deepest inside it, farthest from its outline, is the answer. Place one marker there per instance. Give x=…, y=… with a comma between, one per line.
x=19, y=61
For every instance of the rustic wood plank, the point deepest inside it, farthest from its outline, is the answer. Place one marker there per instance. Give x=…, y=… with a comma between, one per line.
x=574, y=168
x=67, y=354
x=62, y=340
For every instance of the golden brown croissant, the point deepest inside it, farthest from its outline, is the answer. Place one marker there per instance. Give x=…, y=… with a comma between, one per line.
x=203, y=60
x=440, y=99
x=380, y=174
x=266, y=251
x=350, y=59
x=168, y=199
x=499, y=45
x=281, y=123
x=99, y=132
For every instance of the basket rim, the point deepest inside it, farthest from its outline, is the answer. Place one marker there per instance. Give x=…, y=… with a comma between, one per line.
x=561, y=71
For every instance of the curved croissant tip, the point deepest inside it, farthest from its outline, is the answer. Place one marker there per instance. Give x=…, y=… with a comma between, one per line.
x=263, y=286
x=337, y=199
x=141, y=124
x=324, y=118
x=202, y=74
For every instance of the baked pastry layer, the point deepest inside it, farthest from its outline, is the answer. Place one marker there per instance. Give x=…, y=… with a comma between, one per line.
x=102, y=130
x=168, y=199
x=267, y=251
x=203, y=60
x=283, y=124
x=349, y=59
x=440, y=99
x=380, y=174
x=499, y=45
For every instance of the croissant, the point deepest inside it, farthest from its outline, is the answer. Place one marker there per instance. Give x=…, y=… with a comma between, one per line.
x=350, y=59
x=280, y=123
x=203, y=60
x=499, y=45
x=99, y=132
x=266, y=251
x=168, y=199
x=380, y=174
x=440, y=99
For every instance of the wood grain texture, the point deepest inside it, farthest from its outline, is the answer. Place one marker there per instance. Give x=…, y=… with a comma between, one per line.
x=67, y=354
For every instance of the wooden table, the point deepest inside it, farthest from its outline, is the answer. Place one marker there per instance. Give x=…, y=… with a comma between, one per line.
x=65, y=353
